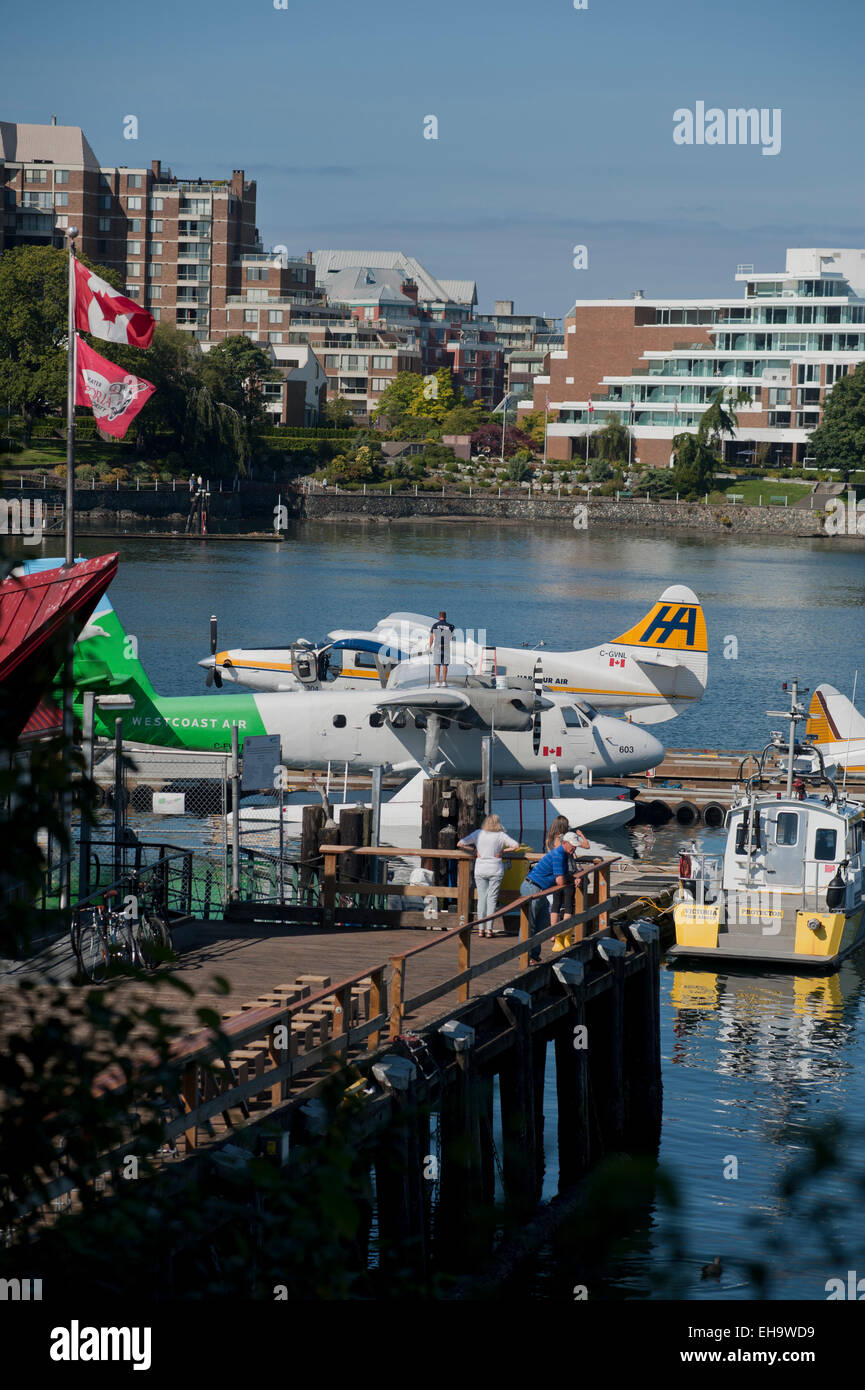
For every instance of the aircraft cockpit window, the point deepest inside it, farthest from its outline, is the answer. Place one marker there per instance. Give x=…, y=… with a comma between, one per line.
x=573, y=718
x=339, y=721
x=364, y=661
x=588, y=710
x=376, y=719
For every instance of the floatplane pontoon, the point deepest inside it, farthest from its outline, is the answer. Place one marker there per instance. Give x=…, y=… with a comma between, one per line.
x=790, y=885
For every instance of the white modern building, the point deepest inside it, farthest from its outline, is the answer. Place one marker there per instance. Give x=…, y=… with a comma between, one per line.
x=655, y=364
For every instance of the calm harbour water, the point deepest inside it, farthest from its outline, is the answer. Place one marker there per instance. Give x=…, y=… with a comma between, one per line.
x=750, y=1059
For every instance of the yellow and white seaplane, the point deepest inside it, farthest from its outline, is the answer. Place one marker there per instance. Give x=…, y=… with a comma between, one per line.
x=654, y=670
x=790, y=885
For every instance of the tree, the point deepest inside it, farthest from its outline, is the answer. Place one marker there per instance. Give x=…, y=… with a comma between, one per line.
x=171, y=364
x=719, y=420
x=533, y=425
x=337, y=413
x=490, y=437
x=464, y=418
x=839, y=440
x=694, y=469
x=612, y=441
x=434, y=397
x=398, y=398
x=34, y=310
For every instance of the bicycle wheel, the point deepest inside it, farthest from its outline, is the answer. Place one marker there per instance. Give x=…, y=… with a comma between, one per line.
x=151, y=938
x=91, y=949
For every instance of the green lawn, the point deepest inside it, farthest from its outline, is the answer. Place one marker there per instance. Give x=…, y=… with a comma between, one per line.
x=753, y=489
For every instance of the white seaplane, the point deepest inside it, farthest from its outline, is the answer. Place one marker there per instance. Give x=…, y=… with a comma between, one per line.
x=653, y=671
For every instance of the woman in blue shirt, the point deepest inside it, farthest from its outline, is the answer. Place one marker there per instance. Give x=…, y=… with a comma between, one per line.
x=550, y=873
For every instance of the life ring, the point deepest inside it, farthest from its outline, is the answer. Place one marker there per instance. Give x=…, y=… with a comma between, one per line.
x=684, y=866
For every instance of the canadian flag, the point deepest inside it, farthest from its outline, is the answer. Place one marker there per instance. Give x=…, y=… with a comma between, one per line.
x=617, y=661
x=107, y=314
x=114, y=395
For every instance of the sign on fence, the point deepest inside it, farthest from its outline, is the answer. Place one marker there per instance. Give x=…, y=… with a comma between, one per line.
x=260, y=757
x=169, y=803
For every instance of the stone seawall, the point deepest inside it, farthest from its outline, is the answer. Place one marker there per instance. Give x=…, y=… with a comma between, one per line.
x=600, y=511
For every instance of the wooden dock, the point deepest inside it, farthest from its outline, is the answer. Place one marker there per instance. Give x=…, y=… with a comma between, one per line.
x=417, y=1024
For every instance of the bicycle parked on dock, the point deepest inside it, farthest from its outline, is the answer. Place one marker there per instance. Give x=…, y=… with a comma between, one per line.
x=105, y=935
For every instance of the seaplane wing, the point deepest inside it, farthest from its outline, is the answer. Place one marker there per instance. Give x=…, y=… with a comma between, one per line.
x=513, y=709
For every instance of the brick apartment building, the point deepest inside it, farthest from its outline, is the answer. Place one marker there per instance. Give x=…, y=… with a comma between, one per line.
x=392, y=289
x=655, y=364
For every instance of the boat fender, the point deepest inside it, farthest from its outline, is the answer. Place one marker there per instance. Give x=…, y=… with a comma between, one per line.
x=836, y=890
x=684, y=866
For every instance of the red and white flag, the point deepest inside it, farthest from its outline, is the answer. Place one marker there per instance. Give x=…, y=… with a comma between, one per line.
x=107, y=314
x=591, y=407
x=115, y=396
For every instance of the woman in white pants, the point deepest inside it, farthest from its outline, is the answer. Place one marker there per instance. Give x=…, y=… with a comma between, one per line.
x=490, y=841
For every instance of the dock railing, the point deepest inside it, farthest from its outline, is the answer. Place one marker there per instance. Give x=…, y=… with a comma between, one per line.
x=276, y=1046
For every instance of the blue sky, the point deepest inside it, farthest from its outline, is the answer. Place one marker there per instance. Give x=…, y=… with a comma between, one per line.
x=555, y=127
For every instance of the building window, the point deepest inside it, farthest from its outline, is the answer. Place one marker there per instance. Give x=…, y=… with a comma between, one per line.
x=381, y=383
x=133, y=248
x=105, y=224
x=250, y=316
x=105, y=200
x=61, y=176
x=155, y=204
x=275, y=316
x=156, y=250
x=61, y=200
x=63, y=221
x=155, y=224
x=134, y=268
x=382, y=362
x=154, y=292
x=36, y=176
x=134, y=204
x=133, y=180
x=157, y=314
x=252, y=335
x=154, y=272
x=133, y=291
x=134, y=224
x=102, y=248
x=256, y=272
x=277, y=338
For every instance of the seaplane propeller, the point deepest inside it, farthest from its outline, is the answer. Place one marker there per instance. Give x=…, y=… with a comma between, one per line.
x=538, y=680
x=214, y=675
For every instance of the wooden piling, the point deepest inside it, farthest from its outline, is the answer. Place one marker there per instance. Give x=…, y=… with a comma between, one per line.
x=572, y=1083
x=462, y=1232
x=516, y=1088
x=312, y=824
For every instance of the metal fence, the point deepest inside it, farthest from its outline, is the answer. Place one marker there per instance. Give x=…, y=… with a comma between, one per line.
x=168, y=795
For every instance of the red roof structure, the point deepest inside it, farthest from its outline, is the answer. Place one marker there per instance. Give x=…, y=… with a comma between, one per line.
x=33, y=613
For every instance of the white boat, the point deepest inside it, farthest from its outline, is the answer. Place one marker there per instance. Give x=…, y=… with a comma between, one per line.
x=790, y=885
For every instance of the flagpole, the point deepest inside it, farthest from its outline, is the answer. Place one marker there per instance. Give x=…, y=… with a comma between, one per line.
x=71, y=234
x=546, y=413
x=69, y=655
x=504, y=423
